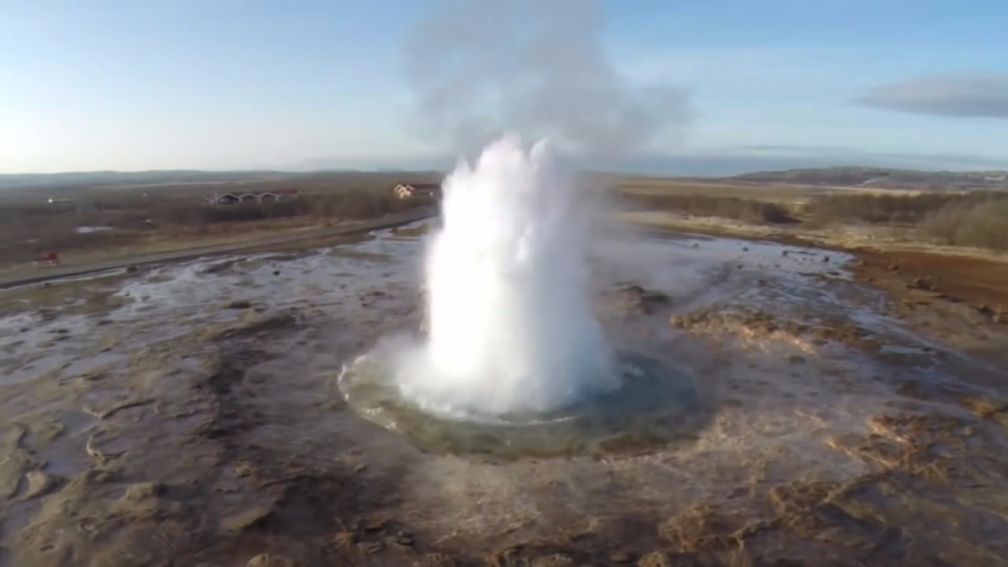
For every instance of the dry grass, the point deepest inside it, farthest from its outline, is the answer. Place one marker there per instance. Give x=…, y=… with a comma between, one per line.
x=875, y=208
x=160, y=216
x=982, y=222
x=776, y=193
x=978, y=219
x=957, y=219
x=154, y=217
x=748, y=210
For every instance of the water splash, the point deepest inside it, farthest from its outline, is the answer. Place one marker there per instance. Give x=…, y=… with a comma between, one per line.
x=511, y=328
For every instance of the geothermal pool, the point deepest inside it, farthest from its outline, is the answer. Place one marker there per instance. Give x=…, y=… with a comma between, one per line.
x=194, y=411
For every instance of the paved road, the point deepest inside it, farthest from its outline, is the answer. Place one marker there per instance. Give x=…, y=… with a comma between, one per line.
x=14, y=280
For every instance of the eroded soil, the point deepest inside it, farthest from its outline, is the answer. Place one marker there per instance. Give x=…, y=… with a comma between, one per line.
x=187, y=414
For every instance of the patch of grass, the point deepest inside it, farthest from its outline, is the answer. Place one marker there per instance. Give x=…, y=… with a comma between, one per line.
x=979, y=218
x=982, y=223
x=882, y=208
x=875, y=208
x=30, y=226
x=748, y=210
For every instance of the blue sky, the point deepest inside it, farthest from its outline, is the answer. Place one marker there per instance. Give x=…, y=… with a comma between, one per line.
x=222, y=84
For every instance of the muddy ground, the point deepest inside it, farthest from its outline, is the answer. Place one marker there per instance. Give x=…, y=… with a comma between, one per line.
x=188, y=414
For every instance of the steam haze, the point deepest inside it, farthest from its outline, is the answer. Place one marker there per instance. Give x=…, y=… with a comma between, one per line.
x=478, y=69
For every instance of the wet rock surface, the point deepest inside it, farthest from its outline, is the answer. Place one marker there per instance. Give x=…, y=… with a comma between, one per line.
x=632, y=299
x=166, y=430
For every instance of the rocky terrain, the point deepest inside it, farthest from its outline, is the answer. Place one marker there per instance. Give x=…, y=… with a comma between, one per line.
x=188, y=414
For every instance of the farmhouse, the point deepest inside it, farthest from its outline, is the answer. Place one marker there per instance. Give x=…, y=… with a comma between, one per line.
x=408, y=191
x=235, y=198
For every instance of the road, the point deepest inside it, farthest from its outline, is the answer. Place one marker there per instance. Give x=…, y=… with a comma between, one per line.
x=389, y=221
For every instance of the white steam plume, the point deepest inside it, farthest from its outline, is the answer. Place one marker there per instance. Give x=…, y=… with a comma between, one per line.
x=534, y=67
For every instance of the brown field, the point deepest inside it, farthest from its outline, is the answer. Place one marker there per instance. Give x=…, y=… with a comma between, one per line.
x=164, y=217
x=884, y=226
x=635, y=186
x=960, y=219
x=196, y=412
x=951, y=245
x=979, y=281
x=791, y=193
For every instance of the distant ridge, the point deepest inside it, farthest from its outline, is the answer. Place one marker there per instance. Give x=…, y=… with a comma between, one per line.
x=139, y=179
x=78, y=178
x=870, y=177
x=883, y=178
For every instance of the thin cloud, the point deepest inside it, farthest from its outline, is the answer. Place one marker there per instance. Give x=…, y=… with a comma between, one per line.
x=962, y=96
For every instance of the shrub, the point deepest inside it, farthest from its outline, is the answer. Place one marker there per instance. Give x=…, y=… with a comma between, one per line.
x=749, y=210
x=877, y=208
x=979, y=223
x=349, y=204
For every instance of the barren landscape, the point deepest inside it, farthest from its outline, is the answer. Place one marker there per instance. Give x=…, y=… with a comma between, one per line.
x=848, y=405
x=514, y=283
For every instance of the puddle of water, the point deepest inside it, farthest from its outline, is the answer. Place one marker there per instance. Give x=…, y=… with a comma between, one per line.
x=656, y=405
x=91, y=229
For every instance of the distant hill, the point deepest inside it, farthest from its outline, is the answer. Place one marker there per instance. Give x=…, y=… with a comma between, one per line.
x=883, y=178
x=827, y=176
x=73, y=181
x=116, y=178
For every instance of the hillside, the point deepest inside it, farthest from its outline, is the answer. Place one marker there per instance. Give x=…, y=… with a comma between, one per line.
x=127, y=178
x=868, y=177
x=883, y=178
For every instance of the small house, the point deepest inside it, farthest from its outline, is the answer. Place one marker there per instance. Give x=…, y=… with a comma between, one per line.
x=236, y=198
x=410, y=191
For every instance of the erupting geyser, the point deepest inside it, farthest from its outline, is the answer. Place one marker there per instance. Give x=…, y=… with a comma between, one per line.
x=511, y=327
x=514, y=362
